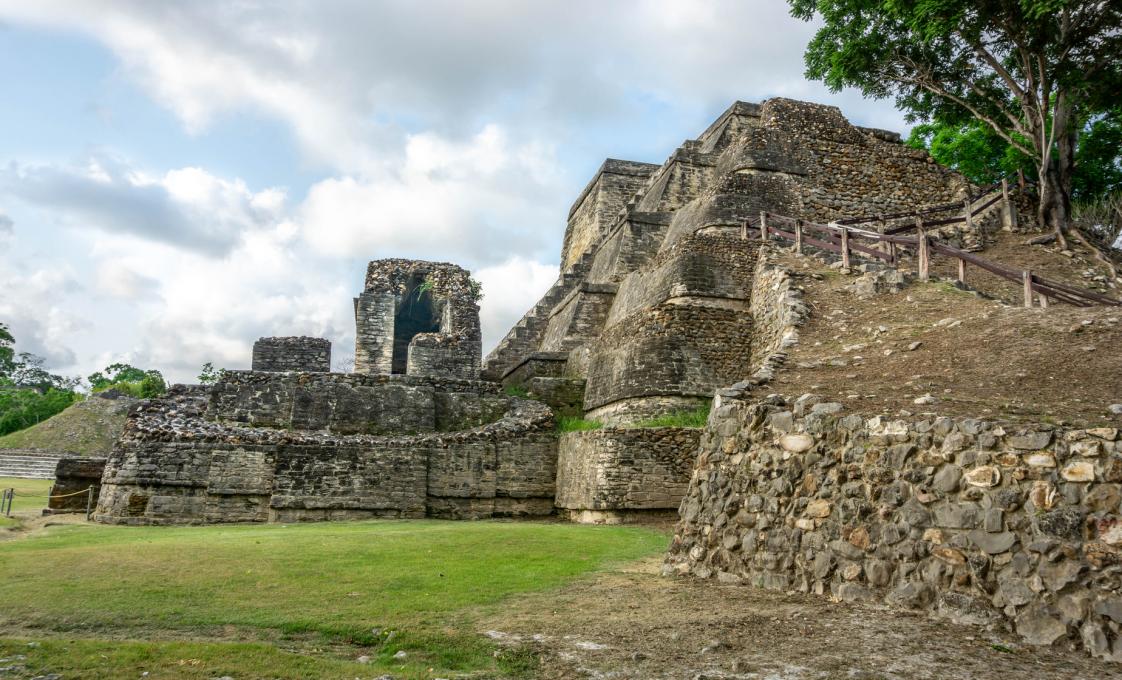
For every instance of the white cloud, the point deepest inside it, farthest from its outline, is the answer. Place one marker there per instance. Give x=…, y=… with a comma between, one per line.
x=34, y=308
x=348, y=77
x=187, y=207
x=509, y=289
x=472, y=202
x=438, y=130
x=6, y=226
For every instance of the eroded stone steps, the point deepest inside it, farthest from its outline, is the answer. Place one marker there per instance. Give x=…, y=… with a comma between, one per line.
x=526, y=335
x=28, y=466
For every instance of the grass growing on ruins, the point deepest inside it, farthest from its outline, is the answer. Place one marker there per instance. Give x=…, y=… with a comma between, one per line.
x=286, y=600
x=694, y=418
x=575, y=424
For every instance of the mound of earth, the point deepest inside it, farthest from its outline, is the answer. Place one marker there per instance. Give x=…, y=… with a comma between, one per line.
x=932, y=347
x=87, y=427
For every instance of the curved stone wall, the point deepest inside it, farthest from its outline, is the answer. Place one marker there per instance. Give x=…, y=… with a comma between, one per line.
x=973, y=520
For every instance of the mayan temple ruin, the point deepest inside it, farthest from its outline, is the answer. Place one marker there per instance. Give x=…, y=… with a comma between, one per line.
x=674, y=297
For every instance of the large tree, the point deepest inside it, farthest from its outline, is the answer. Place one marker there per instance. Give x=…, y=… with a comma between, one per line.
x=1034, y=71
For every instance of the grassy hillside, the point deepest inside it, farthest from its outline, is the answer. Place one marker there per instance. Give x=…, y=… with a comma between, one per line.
x=282, y=601
x=88, y=427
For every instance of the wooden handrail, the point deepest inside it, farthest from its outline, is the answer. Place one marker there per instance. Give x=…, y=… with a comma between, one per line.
x=841, y=239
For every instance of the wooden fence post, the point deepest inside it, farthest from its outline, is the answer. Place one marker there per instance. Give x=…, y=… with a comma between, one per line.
x=892, y=253
x=845, y=247
x=1008, y=214
x=1026, y=276
x=961, y=270
x=763, y=225
x=744, y=230
x=923, y=254
x=1043, y=301
x=969, y=215
x=799, y=237
x=881, y=226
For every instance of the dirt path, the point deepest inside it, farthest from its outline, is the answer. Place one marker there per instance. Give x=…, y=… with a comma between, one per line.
x=633, y=623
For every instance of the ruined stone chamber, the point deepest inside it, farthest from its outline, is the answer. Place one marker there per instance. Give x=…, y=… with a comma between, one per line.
x=418, y=318
x=413, y=433
x=662, y=300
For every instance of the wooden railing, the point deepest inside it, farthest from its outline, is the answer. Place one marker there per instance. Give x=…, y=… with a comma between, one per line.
x=846, y=240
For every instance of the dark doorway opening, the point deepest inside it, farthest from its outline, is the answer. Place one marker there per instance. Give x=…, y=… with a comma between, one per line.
x=416, y=314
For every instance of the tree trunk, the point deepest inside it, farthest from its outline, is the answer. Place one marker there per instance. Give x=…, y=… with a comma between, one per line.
x=1053, y=206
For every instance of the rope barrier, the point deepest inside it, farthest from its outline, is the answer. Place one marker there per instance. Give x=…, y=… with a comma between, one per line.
x=65, y=495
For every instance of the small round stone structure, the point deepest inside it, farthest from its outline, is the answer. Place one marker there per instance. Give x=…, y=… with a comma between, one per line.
x=294, y=353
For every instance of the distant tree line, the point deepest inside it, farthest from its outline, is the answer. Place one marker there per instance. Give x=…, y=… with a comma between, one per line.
x=29, y=393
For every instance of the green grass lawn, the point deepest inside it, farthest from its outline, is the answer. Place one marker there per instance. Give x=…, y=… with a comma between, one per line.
x=30, y=496
x=299, y=601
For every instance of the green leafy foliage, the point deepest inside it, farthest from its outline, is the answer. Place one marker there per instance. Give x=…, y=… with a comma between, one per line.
x=209, y=374
x=1036, y=73
x=29, y=394
x=129, y=380
x=7, y=352
x=972, y=148
x=21, y=408
x=979, y=153
x=476, y=289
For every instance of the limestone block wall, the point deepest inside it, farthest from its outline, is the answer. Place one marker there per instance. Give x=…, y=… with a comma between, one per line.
x=628, y=246
x=969, y=519
x=855, y=171
x=73, y=475
x=598, y=206
x=610, y=472
x=173, y=465
x=354, y=403
x=292, y=354
x=578, y=318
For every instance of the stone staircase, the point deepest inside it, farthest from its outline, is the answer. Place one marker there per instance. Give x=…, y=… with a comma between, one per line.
x=28, y=464
x=526, y=335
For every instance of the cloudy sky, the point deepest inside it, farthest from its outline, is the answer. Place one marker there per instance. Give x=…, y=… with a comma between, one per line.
x=180, y=178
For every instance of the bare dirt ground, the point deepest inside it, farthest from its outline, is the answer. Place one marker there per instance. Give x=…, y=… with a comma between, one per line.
x=634, y=623
x=1075, y=266
x=971, y=355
